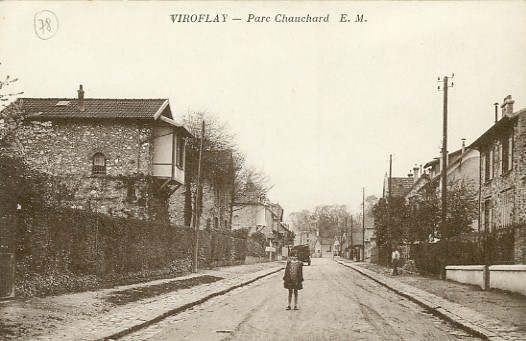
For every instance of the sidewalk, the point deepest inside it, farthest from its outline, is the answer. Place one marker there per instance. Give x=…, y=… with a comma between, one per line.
x=110, y=313
x=493, y=315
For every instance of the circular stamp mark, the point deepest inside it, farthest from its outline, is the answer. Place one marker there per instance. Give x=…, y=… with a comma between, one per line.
x=46, y=24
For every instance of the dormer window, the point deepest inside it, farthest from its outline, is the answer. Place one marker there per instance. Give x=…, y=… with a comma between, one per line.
x=99, y=164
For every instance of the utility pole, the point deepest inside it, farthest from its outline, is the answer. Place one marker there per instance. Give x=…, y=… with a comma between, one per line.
x=390, y=175
x=363, y=222
x=444, y=171
x=197, y=198
x=352, y=246
x=346, y=237
x=389, y=203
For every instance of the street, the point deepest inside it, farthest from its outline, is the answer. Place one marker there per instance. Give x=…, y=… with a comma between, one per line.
x=336, y=303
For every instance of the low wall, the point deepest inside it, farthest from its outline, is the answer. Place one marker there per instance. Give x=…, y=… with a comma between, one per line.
x=468, y=274
x=508, y=277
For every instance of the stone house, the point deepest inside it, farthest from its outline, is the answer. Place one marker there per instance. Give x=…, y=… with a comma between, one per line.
x=257, y=216
x=261, y=215
x=218, y=192
x=503, y=175
x=121, y=157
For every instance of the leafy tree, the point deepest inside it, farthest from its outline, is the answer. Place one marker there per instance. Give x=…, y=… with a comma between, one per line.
x=462, y=207
x=419, y=220
x=424, y=216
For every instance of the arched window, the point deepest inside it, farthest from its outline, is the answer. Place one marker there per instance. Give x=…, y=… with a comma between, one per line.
x=99, y=164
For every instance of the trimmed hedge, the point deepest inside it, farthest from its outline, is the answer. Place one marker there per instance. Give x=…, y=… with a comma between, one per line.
x=63, y=250
x=60, y=250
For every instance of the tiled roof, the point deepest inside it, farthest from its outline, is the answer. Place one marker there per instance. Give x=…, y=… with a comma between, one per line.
x=47, y=108
x=400, y=186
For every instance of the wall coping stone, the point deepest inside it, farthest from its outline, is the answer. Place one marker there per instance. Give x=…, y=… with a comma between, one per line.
x=516, y=267
x=466, y=267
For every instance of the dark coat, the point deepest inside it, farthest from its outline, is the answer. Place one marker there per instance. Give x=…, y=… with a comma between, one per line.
x=293, y=277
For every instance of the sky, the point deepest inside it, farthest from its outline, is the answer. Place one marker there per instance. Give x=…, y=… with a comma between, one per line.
x=317, y=106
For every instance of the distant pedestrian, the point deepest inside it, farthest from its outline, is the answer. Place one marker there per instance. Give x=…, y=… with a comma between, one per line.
x=293, y=278
x=395, y=258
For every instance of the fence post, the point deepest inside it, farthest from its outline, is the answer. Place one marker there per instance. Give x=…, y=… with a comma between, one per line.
x=485, y=277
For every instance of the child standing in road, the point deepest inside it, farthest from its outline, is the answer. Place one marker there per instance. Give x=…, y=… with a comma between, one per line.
x=293, y=278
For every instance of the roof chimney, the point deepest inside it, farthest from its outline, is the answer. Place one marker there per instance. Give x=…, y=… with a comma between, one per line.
x=416, y=172
x=507, y=106
x=81, y=98
x=463, y=145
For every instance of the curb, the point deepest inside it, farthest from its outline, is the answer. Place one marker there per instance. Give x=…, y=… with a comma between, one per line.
x=434, y=309
x=183, y=308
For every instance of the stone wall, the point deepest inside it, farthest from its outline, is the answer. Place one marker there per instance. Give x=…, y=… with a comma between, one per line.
x=176, y=204
x=64, y=150
x=215, y=210
x=520, y=167
x=513, y=180
x=244, y=216
x=67, y=147
x=499, y=187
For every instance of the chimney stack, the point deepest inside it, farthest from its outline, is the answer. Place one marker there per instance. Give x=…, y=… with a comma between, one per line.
x=463, y=145
x=81, y=98
x=507, y=106
x=416, y=172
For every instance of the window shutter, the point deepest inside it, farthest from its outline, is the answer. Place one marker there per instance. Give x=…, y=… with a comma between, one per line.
x=500, y=165
x=491, y=156
x=483, y=168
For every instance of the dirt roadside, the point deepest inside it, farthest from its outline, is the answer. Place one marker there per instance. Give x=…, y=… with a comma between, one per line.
x=497, y=304
x=30, y=318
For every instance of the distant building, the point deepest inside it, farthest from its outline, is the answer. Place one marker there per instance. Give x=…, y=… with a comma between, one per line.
x=306, y=238
x=397, y=186
x=260, y=215
x=326, y=247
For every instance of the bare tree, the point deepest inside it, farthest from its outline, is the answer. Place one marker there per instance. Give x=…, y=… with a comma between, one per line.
x=331, y=219
x=10, y=110
x=223, y=165
x=302, y=221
